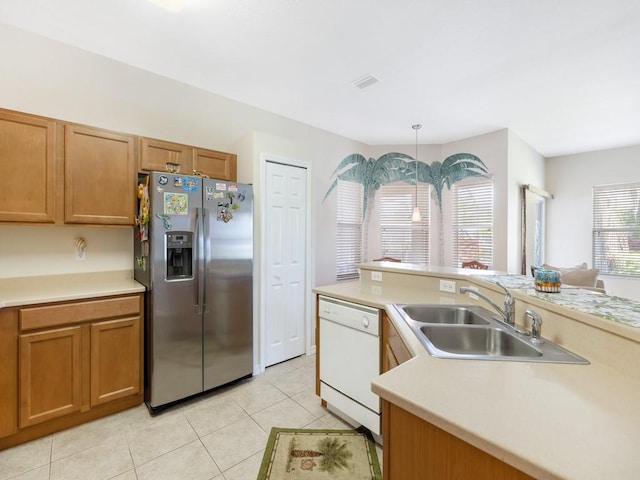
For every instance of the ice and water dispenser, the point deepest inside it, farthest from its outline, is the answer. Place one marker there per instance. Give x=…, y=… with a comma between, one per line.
x=179, y=255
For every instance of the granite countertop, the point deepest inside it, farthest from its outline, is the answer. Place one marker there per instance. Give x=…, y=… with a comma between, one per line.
x=56, y=288
x=552, y=421
x=617, y=309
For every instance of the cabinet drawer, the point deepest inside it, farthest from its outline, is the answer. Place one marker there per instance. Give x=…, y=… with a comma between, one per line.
x=63, y=314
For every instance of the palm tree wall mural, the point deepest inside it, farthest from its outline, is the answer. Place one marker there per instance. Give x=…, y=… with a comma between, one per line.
x=394, y=167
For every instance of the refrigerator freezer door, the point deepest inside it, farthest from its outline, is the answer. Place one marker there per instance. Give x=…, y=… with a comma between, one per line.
x=228, y=249
x=174, y=323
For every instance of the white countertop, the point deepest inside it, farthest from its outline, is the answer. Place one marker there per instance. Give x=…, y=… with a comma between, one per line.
x=552, y=421
x=56, y=288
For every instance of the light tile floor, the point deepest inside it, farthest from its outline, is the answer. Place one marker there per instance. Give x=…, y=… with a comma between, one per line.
x=220, y=436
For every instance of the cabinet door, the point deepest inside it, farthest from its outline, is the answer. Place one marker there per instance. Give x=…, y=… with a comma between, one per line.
x=394, y=350
x=115, y=359
x=27, y=155
x=50, y=374
x=417, y=450
x=8, y=371
x=215, y=164
x=157, y=155
x=100, y=176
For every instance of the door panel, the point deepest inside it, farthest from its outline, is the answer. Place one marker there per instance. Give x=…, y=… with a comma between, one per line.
x=286, y=262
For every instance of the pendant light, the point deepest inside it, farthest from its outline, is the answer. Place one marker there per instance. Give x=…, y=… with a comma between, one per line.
x=415, y=216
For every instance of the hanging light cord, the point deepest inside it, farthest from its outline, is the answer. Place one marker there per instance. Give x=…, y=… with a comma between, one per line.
x=416, y=127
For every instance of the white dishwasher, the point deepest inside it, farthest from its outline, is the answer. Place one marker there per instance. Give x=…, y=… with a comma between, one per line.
x=350, y=359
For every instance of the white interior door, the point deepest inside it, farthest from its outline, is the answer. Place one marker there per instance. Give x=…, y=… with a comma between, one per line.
x=285, y=255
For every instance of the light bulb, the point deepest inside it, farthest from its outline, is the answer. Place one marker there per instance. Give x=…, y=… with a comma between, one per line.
x=415, y=216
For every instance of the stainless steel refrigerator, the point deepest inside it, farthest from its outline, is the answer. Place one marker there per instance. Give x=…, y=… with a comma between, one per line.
x=194, y=254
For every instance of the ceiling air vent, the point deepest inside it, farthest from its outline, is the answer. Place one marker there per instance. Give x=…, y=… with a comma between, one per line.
x=365, y=81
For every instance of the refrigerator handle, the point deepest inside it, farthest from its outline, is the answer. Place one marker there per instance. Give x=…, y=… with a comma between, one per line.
x=205, y=256
x=198, y=261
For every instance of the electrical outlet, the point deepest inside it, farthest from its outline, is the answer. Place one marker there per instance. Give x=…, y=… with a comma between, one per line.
x=376, y=276
x=447, y=286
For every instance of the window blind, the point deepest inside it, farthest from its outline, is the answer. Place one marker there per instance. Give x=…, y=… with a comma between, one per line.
x=616, y=229
x=349, y=229
x=399, y=236
x=473, y=221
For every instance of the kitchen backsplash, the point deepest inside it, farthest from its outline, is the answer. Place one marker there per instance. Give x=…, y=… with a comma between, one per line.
x=47, y=250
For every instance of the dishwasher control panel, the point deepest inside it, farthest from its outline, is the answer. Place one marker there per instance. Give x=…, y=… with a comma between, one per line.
x=352, y=315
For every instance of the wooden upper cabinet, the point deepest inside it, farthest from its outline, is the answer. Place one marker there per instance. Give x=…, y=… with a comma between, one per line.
x=157, y=155
x=215, y=164
x=57, y=172
x=99, y=176
x=27, y=156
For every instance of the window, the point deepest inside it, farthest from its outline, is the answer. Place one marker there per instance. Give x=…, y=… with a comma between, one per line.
x=616, y=229
x=399, y=236
x=349, y=231
x=473, y=221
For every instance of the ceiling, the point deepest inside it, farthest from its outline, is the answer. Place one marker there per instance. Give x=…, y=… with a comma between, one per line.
x=563, y=75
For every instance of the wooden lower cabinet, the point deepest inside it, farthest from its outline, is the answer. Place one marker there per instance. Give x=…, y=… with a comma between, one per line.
x=417, y=450
x=115, y=360
x=67, y=363
x=8, y=372
x=50, y=375
x=394, y=351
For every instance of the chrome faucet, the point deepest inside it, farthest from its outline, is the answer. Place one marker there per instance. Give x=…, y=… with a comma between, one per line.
x=536, y=326
x=507, y=313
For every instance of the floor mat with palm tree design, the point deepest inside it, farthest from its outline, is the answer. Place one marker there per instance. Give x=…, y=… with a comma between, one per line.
x=293, y=454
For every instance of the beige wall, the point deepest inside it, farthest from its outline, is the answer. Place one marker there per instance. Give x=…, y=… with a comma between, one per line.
x=526, y=166
x=47, y=78
x=492, y=150
x=52, y=79
x=570, y=215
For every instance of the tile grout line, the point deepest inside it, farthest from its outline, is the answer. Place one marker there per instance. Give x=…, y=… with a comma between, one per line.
x=303, y=364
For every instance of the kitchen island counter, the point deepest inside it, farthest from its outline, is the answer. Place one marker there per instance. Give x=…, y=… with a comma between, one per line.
x=19, y=291
x=550, y=421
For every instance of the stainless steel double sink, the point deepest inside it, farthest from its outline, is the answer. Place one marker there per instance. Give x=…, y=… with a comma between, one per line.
x=472, y=332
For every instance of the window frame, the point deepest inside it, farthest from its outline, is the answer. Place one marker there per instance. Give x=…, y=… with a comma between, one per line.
x=485, y=249
x=396, y=202
x=349, y=229
x=616, y=225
